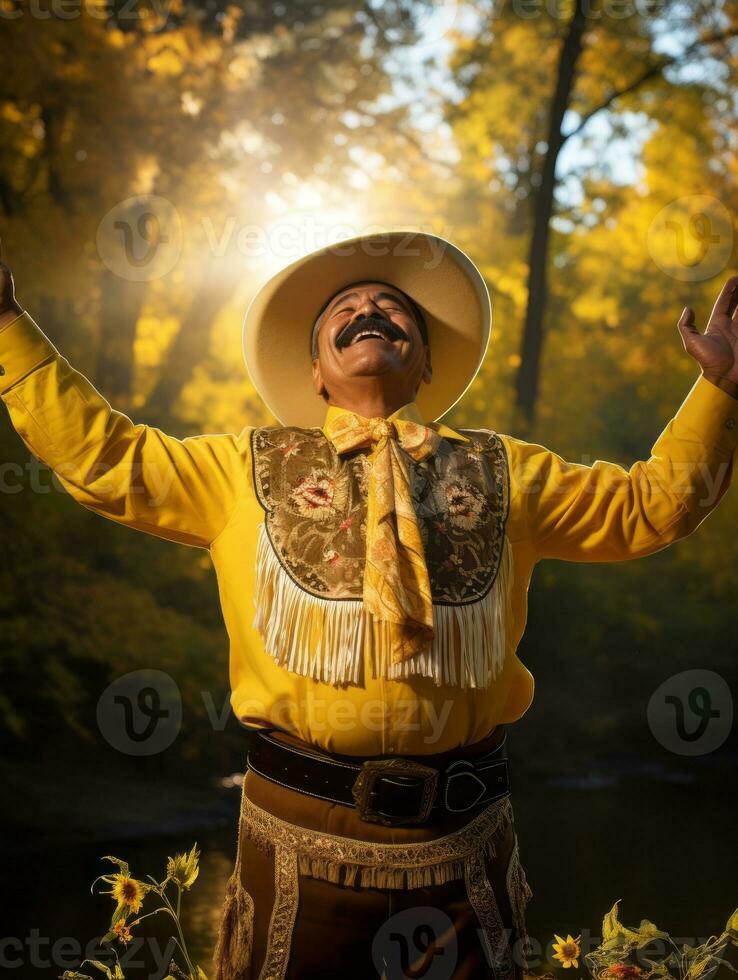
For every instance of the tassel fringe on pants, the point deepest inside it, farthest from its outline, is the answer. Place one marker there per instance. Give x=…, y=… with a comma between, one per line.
x=317, y=892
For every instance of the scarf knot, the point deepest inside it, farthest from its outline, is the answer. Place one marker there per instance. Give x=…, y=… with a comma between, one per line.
x=381, y=430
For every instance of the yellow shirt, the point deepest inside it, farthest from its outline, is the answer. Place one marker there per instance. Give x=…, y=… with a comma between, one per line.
x=199, y=491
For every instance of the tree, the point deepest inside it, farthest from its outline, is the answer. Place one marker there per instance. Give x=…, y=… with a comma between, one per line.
x=554, y=77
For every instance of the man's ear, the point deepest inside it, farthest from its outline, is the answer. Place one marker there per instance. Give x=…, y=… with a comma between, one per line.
x=428, y=369
x=318, y=382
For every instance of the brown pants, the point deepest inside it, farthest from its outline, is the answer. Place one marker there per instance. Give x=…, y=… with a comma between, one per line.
x=317, y=893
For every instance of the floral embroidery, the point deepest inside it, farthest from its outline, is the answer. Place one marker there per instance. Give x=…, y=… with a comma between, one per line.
x=332, y=556
x=314, y=495
x=465, y=504
x=315, y=503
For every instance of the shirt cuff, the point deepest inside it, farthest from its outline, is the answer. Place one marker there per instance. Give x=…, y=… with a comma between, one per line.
x=711, y=415
x=23, y=347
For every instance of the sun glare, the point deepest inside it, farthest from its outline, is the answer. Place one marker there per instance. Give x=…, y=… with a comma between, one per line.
x=304, y=218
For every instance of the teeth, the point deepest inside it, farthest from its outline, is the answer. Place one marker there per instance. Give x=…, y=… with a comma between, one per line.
x=368, y=333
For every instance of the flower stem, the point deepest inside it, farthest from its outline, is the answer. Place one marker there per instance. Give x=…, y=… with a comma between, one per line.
x=183, y=945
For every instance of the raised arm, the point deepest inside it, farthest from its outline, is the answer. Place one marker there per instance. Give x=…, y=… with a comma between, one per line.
x=604, y=512
x=181, y=489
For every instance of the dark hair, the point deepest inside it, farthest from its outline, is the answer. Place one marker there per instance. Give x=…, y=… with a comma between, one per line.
x=416, y=311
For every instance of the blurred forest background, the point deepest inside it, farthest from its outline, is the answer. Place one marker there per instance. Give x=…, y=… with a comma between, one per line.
x=583, y=153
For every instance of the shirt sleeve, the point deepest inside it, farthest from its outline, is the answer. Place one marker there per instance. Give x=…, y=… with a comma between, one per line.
x=184, y=490
x=605, y=512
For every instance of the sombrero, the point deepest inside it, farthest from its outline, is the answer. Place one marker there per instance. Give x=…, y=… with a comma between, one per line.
x=443, y=281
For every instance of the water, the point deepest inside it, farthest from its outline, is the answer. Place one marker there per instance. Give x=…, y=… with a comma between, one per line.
x=666, y=849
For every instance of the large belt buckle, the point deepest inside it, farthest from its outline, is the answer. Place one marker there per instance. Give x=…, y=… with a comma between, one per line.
x=363, y=789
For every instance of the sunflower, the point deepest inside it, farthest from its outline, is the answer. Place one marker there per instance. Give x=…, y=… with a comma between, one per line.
x=184, y=868
x=129, y=892
x=567, y=950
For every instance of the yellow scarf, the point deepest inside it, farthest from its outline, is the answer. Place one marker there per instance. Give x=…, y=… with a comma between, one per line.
x=396, y=585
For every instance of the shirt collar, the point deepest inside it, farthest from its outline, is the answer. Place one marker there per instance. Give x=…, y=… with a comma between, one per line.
x=410, y=413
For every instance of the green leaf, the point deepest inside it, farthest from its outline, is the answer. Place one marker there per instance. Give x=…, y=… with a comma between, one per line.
x=121, y=912
x=611, y=924
x=123, y=865
x=646, y=932
x=100, y=966
x=659, y=968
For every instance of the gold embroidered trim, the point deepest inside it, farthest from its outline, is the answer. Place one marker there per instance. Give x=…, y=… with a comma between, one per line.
x=483, y=901
x=343, y=860
x=284, y=913
x=327, y=639
x=519, y=894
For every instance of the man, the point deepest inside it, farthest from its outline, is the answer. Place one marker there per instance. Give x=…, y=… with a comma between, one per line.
x=373, y=566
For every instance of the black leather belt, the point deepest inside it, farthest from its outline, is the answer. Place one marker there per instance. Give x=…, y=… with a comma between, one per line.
x=391, y=791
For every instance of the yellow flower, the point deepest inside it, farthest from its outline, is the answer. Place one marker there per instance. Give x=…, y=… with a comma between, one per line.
x=122, y=932
x=184, y=868
x=567, y=950
x=129, y=892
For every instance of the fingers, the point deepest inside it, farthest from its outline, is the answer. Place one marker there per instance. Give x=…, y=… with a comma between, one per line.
x=686, y=322
x=727, y=301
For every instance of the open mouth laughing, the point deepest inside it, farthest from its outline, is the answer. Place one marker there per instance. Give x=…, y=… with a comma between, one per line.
x=369, y=328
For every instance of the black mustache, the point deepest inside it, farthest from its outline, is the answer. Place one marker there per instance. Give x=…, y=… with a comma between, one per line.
x=387, y=328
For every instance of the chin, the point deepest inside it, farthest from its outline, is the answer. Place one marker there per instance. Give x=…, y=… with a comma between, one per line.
x=378, y=364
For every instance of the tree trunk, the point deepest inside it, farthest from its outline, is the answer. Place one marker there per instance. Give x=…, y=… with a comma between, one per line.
x=120, y=308
x=186, y=350
x=543, y=204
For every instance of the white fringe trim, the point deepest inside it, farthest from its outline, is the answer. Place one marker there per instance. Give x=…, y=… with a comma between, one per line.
x=469, y=641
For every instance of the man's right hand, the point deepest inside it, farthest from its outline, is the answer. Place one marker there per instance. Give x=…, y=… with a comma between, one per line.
x=10, y=308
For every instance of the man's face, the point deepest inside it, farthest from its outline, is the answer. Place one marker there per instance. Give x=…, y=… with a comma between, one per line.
x=369, y=330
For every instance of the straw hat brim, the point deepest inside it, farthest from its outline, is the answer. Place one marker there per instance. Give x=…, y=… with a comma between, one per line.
x=442, y=280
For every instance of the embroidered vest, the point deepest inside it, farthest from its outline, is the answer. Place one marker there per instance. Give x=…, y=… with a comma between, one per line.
x=311, y=553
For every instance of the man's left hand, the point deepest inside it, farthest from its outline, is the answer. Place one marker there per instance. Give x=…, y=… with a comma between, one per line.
x=716, y=350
